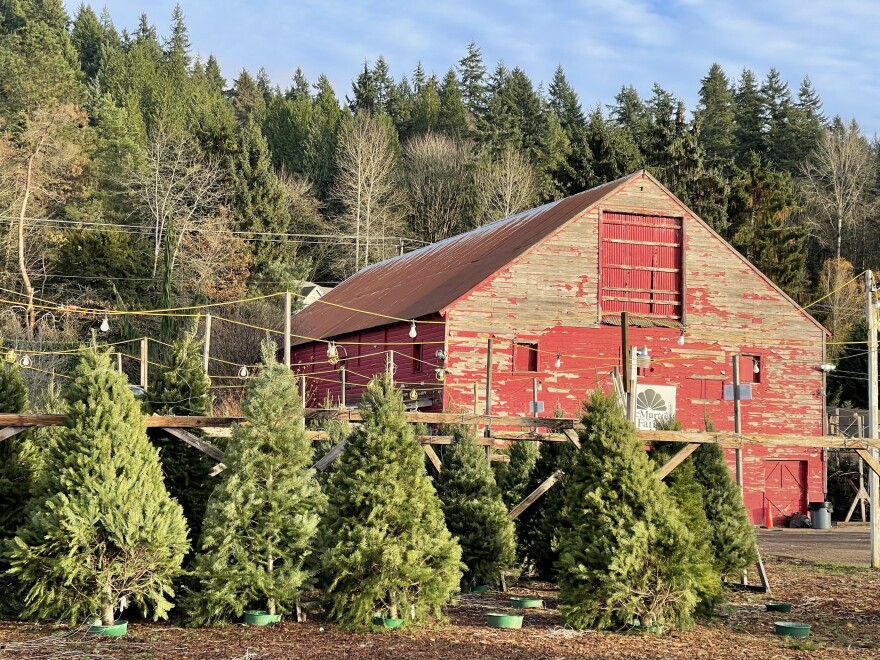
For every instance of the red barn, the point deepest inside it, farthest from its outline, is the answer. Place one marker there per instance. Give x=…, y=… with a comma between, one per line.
x=548, y=287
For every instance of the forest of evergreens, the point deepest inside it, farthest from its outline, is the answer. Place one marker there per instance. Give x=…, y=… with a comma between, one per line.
x=135, y=176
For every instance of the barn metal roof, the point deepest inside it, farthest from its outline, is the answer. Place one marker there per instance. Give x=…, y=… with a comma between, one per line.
x=429, y=279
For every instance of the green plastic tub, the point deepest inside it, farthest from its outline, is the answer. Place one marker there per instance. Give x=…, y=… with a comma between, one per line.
x=260, y=618
x=498, y=620
x=387, y=623
x=480, y=589
x=522, y=602
x=785, y=608
x=792, y=629
x=118, y=629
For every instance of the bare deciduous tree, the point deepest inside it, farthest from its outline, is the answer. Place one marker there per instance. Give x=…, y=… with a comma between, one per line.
x=838, y=186
x=843, y=302
x=438, y=177
x=175, y=184
x=506, y=185
x=367, y=188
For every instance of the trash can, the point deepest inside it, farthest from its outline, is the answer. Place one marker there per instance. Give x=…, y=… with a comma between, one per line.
x=820, y=513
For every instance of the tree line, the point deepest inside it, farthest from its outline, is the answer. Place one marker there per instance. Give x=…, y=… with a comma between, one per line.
x=137, y=176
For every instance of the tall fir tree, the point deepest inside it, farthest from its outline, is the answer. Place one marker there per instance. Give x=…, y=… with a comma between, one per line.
x=625, y=550
x=575, y=170
x=386, y=548
x=104, y=526
x=715, y=112
x=732, y=537
x=513, y=476
x=263, y=516
x=472, y=73
x=750, y=118
x=475, y=513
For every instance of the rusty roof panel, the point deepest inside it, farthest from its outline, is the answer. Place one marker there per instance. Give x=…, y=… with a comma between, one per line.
x=427, y=280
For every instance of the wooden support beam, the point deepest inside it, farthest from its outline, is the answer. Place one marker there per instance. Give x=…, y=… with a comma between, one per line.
x=572, y=436
x=330, y=456
x=202, y=445
x=432, y=456
x=676, y=460
x=10, y=431
x=535, y=495
x=217, y=469
x=870, y=461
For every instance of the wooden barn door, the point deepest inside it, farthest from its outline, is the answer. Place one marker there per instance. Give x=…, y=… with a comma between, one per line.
x=641, y=263
x=785, y=488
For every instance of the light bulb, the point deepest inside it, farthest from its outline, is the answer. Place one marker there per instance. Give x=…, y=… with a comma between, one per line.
x=558, y=362
x=412, y=330
x=243, y=372
x=105, y=325
x=441, y=374
x=680, y=341
x=332, y=353
x=757, y=368
x=645, y=352
x=25, y=361
x=540, y=386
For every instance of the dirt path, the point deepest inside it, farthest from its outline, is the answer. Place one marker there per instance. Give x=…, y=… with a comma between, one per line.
x=841, y=545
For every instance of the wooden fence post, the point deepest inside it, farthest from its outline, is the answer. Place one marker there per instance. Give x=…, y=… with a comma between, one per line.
x=145, y=362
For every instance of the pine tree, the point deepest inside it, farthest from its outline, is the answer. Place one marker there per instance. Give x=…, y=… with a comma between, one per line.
x=264, y=514
x=15, y=479
x=104, y=527
x=180, y=386
x=750, y=118
x=513, y=477
x=386, y=548
x=625, y=550
x=576, y=169
x=715, y=113
x=731, y=533
x=475, y=513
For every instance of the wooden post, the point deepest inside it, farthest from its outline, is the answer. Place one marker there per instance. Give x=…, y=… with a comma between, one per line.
x=287, y=329
x=534, y=400
x=119, y=361
x=302, y=394
x=737, y=422
x=633, y=379
x=488, y=431
x=145, y=362
x=206, y=349
x=873, y=421
x=342, y=385
x=624, y=349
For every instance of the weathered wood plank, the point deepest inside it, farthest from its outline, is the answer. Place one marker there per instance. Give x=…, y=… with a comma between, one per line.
x=869, y=459
x=10, y=431
x=217, y=469
x=535, y=495
x=572, y=436
x=676, y=460
x=331, y=456
x=432, y=456
x=198, y=443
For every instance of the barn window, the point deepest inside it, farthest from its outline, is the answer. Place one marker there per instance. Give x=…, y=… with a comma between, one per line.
x=417, y=358
x=641, y=265
x=525, y=356
x=750, y=369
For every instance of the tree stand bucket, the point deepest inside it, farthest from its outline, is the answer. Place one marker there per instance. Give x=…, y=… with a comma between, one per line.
x=260, y=618
x=522, y=602
x=387, y=623
x=480, y=589
x=498, y=620
x=792, y=629
x=118, y=629
x=785, y=608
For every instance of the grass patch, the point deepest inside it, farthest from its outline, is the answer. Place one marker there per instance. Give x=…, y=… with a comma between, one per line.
x=802, y=645
x=840, y=569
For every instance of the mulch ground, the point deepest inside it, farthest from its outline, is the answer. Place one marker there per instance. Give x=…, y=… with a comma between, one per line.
x=839, y=601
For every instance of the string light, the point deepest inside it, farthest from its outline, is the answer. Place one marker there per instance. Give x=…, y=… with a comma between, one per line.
x=558, y=362
x=680, y=340
x=441, y=374
x=243, y=372
x=105, y=325
x=757, y=368
x=10, y=356
x=412, y=330
x=25, y=360
x=332, y=353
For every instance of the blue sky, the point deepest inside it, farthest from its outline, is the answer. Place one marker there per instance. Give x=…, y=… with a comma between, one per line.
x=601, y=44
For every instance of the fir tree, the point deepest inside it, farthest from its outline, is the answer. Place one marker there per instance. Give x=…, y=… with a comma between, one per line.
x=14, y=477
x=625, y=551
x=731, y=533
x=715, y=113
x=386, y=548
x=513, y=477
x=263, y=515
x=749, y=117
x=104, y=526
x=180, y=386
x=475, y=512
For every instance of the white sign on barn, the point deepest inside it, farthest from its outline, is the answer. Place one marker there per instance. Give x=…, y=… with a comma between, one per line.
x=653, y=402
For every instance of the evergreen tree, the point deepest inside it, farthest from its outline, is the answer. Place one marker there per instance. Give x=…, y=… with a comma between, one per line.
x=320, y=151
x=749, y=118
x=263, y=516
x=576, y=169
x=15, y=480
x=475, y=513
x=780, y=132
x=807, y=122
x=364, y=90
x=715, y=113
x=386, y=548
x=472, y=73
x=453, y=116
x=731, y=533
x=615, y=153
x=87, y=36
x=631, y=113
x=180, y=386
x=104, y=526
x=513, y=477
x=625, y=550
x=248, y=100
